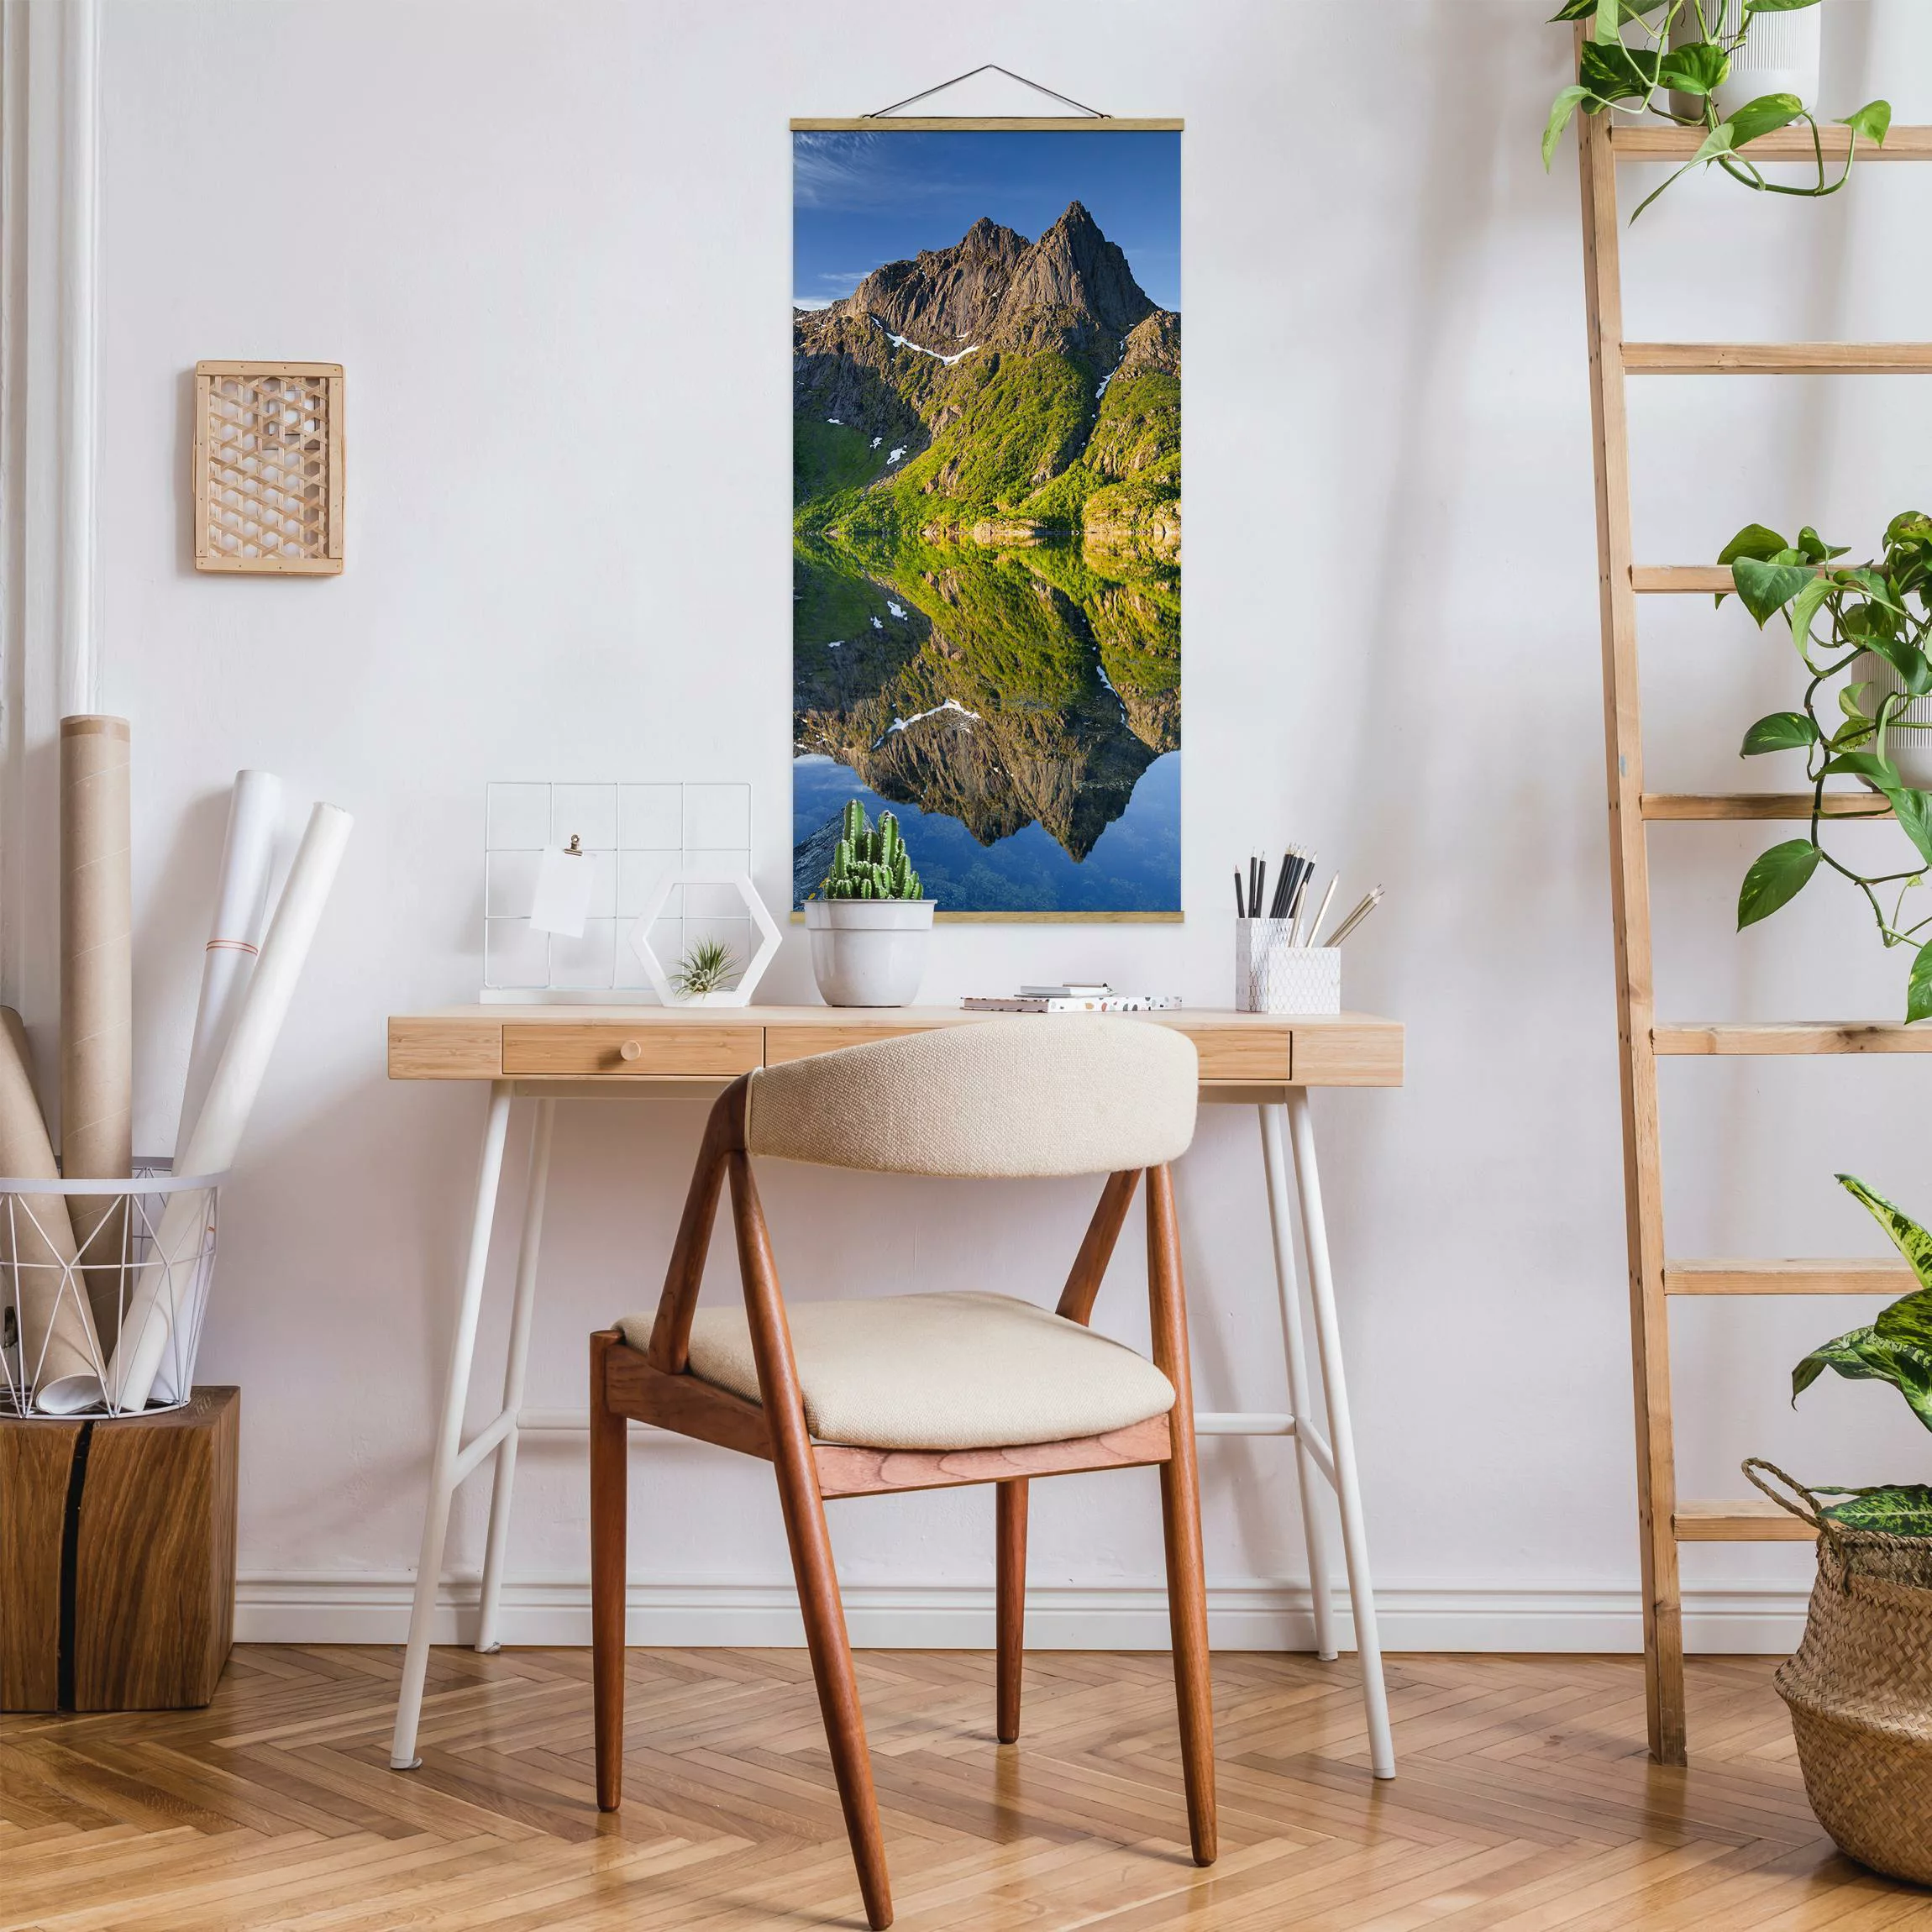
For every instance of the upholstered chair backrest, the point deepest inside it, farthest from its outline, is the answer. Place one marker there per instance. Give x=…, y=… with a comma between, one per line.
x=1032, y=1095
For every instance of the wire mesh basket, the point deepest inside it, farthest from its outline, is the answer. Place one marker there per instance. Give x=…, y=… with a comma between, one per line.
x=1272, y=976
x=103, y=1285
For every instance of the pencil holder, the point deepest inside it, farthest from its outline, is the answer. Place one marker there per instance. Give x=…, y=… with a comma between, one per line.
x=1272, y=976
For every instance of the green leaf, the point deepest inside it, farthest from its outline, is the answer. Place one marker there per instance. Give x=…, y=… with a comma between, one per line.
x=1572, y=10
x=1909, y=1319
x=1760, y=117
x=1914, y=669
x=1604, y=29
x=1719, y=141
x=1914, y=812
x=1898, y=1510
x=1805, y=607
x=1615, y=72
x=1919, y=987
x=1841, y=1354
x=1776, y=878
x=1905, y=1234
x=1815, y=549
x=1905, y=1365
x=1562, y=111
x=1867, y=764
x=1873, y=121
x=1696, y=69
x=1753, y=540
x=1764, y=588
x=1783, y=731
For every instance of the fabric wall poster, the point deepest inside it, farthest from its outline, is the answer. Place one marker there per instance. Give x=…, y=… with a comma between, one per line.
x=986, y=499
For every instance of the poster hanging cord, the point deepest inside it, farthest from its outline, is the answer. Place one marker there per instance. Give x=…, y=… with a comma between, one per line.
x=988, y=67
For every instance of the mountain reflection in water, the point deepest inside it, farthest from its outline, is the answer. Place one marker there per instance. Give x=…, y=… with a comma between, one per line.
x=1001, y=690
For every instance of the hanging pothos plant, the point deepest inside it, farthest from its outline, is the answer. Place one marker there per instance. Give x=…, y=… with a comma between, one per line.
x=1836, y=614
x=1680, y=48
x=1896, y=1347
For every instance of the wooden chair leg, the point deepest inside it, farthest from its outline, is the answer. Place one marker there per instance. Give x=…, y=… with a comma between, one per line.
x=811, y=1544
x=1010, y=1535
x=1181, y=1522
x=610, y=1474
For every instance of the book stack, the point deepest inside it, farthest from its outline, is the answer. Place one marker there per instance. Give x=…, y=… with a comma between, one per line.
x=1075, y=997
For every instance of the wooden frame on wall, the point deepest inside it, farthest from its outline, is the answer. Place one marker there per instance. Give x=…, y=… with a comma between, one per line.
x=268, y=468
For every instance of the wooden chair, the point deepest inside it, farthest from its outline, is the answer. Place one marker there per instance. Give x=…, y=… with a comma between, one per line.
x=853, y=1398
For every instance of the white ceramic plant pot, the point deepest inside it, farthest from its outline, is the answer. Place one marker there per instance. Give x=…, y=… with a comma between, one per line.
x=1908, y=737
x=869, y=951
x=1780, y=55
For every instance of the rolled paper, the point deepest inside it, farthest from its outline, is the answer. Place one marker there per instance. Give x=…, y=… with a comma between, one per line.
x=96, y=995
x=152, y=1307
x=59, y=1351
x=241, y=911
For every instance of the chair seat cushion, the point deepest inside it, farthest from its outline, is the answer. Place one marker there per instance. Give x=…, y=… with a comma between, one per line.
x=970, y=1370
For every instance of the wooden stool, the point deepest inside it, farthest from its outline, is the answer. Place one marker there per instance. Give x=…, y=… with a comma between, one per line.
x=118, y=1558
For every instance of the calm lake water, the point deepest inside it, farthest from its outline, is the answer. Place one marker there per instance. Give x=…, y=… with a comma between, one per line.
x=1135, y=865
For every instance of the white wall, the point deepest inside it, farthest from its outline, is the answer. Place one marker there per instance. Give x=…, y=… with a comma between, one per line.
x=549, y=243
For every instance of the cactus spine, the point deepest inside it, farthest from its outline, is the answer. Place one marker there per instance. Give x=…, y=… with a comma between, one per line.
x=869, y=862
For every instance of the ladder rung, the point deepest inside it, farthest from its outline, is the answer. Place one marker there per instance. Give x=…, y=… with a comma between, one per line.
x=1723, y=804
x=1777, y=358
x=1677, y=580
x=1747, y=1521
x=1660, y=144
x=1786, y=1037
x=1862, y=1274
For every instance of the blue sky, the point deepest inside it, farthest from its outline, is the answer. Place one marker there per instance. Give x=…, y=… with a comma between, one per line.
x=860, y=199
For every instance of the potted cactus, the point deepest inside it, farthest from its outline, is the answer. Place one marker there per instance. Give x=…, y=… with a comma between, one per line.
x=868, y=921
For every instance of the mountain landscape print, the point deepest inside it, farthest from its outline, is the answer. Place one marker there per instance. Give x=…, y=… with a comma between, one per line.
x=986, y=499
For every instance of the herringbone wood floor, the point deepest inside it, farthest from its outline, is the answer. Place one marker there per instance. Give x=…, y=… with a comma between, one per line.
x=1524, y=1802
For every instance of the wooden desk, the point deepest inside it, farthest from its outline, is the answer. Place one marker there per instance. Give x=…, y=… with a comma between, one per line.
x=1239, y=1052
x=548, y=1053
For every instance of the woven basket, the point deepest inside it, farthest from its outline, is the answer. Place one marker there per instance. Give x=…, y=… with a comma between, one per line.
x=1860, y=1688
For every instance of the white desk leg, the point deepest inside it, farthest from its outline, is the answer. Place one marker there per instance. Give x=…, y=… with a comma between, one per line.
x=1275, y=1164
x=503, y=1477
x=1342, y=1433
x=448, y=1436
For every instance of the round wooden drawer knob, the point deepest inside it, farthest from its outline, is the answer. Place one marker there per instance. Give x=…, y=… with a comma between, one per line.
x=631, y=1050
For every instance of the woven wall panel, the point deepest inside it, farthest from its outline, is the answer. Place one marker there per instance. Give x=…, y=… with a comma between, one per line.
x=268, y=467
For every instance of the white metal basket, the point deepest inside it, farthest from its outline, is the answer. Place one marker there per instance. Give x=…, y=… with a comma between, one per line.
x=1272, y=976
x=126, y=1312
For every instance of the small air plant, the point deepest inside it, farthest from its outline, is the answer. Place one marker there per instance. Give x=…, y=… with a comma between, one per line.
x=706, y=968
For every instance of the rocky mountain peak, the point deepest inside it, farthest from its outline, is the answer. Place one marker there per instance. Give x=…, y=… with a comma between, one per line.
x=993, y=287
x=1074, y=266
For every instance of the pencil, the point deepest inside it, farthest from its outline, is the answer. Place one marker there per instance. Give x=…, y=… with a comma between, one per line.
x=1321, y=910
x=1369, y=901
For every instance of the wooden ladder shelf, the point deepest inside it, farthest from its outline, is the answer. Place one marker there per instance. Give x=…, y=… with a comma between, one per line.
x=1664, y=1520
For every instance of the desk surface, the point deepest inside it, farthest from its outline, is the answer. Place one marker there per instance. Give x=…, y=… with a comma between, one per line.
x=655, y=1048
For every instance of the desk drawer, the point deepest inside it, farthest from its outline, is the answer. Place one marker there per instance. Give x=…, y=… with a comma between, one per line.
x=571, y=1052
x=785, y=1044
x=1257, y=1053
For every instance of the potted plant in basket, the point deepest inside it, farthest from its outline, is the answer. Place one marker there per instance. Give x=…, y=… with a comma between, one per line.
x=1860, y=1687
x=868, y=921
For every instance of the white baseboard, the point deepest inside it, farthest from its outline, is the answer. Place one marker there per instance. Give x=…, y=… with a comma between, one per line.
x=362, y=1608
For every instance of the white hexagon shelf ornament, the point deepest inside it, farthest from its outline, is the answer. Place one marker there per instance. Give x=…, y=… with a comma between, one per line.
x=769, y=937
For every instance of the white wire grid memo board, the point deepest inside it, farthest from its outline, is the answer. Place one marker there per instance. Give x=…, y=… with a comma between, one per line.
x=634, y=835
